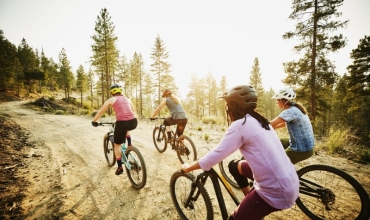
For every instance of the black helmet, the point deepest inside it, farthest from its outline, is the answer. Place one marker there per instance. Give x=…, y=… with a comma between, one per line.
x=244, y=95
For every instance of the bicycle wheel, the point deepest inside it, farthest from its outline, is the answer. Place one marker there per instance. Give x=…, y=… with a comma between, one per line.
x=136, y=169
x=199, y=207
x=159, y=139
x=224, y=168
x=109, y=151
x=329, y=193
x=186, y=151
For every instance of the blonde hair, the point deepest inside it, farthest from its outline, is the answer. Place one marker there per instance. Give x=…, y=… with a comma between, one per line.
x=175, y=99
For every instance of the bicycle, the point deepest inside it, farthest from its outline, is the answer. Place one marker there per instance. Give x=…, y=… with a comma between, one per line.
x=325, y=193
x=183, y=145
x=131, y=158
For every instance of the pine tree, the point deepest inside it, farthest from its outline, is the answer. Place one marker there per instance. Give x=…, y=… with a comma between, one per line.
x=255, y=80
x=105, y=53
x=359, y=88
x=81, y=83
x=160, y=67
x=314, y=22
x=65, y=76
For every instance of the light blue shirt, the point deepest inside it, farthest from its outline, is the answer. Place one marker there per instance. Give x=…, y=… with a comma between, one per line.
x=300, y=129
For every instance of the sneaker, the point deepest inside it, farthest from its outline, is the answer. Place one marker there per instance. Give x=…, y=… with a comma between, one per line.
x=119, y=171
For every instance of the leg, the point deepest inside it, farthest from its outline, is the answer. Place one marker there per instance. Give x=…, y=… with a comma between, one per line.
x=236, y=168
x=128, y=137
x=253, y=207
x=296, y=157
x=181, y=124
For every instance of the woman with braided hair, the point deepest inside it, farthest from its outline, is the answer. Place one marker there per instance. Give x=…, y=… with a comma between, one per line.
x=294, y=116
x=275, y=180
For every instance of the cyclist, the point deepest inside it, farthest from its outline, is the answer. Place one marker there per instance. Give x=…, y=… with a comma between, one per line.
x=125, y=120
x=276, y=185
x=294, y=116
x=178, y=116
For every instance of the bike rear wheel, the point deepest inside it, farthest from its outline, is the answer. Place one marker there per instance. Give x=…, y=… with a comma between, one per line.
x=136, y=169
x=109, y=151
x=339, y=195
x=186, y=151
x=199, y=205
x=159, y=139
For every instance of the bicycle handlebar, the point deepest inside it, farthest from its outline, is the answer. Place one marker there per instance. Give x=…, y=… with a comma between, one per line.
x=156, y=118
x=106, y=123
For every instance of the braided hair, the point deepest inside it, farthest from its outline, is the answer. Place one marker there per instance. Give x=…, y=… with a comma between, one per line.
x=239, y=112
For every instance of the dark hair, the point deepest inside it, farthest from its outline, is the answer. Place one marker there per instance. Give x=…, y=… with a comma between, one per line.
x=296, y=104
x=239, y=112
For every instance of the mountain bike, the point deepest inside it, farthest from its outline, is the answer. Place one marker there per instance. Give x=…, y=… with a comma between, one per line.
x=131, y=158
x=325, y=193
x=183, y=145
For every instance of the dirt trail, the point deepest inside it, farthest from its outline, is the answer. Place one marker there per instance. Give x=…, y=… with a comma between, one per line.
x=70, y=178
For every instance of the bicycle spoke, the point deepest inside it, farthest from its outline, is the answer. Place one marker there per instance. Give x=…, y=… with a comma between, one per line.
x=338, y=200
x=197, y=207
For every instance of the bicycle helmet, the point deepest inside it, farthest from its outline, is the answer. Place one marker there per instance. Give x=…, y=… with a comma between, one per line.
x=166, y=92
x=286, y=93
x=115, y=89
x=244, y=95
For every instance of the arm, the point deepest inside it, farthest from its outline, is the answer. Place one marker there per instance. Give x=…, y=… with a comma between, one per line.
x=277, y=123
x=159, y=108
x=103, y=109
x=188, y=168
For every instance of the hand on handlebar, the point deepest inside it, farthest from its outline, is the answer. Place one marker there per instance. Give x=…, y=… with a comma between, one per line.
x=94, y=123
x=184, y=167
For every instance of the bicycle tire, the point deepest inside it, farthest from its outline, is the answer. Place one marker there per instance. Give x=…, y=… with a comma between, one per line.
x=109, y=151
x=226, y=174
x=224, y=168
x=344, y=195
x=180, y=188
x=186, y=151
x=160, y=142
x=137, y=172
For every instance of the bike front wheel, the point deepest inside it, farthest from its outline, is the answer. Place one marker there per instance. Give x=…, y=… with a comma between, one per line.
x=135, y=167
x=190, y=202
x=159, y=139
x=329, y=193
x=109, y=151
x=186, y=151
x=224, y=168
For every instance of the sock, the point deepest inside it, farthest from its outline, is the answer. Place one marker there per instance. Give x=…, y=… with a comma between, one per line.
x=169, y=134
x=119, y=162
x=128, y=140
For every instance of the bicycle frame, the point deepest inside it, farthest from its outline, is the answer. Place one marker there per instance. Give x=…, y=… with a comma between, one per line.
x=123, y=148
x=214, y=175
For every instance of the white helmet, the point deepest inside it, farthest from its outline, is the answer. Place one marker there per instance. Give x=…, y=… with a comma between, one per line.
x=286, y=93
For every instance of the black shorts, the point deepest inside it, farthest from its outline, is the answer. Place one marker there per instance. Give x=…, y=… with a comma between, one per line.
x=181, y=124
x=121, y=129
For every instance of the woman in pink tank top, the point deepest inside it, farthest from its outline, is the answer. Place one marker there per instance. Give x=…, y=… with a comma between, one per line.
x=125, y=120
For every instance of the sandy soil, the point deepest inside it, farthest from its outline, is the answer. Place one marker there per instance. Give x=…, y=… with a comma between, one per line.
x=68, y=177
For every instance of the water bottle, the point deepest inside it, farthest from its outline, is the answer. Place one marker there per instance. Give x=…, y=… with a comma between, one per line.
x=111, y=138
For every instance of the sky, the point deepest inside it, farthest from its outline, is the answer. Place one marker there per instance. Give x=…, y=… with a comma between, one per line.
x=202, y=36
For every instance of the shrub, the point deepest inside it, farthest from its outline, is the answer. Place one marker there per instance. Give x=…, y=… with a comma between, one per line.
x=199, y=128
x=59, y=112
x=52, y=98
x=339, y=138
x=206, y=136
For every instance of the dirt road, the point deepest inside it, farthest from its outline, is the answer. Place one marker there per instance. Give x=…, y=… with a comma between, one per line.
x=70, y=178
